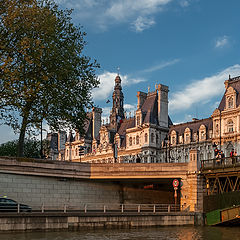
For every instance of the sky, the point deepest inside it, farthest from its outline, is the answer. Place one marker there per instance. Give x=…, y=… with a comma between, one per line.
x=192, y=46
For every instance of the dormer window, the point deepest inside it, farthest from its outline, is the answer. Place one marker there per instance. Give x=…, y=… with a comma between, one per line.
x=187, y=135
x=202, y=135
x=230, y=98
x=230, y=102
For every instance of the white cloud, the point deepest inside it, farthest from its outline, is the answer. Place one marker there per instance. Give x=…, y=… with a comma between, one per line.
x=201, y=91
x=103, y=13
x=142, y=23
x=107, y=84
x=222, y=42
x=160, y=66
x=184, y=3
x=130, y=109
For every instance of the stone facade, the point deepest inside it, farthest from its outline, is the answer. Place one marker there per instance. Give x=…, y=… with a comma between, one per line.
x=222, y=129
x=134, y=139
x=150, y=136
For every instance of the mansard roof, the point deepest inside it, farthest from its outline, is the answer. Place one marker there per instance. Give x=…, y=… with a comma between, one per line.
x=126, y=124
x=150, y=109
x=193, y=126
x=235, y=83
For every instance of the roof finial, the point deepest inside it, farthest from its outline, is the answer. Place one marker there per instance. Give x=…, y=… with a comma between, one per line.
x=148, y=89
x=229, y=76
x=118, y=71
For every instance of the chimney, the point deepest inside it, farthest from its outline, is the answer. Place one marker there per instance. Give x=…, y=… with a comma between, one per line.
x=141, y=98
x=97, y=114
x=163, y=105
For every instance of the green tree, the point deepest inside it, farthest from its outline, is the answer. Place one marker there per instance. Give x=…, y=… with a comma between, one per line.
x=31, y=148
x=44, y=74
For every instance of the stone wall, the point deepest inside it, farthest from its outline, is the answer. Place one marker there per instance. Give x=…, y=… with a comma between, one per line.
x=79, y=222
x=55, y=192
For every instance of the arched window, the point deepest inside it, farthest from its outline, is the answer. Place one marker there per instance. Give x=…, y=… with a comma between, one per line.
x=137, y=139
x=157, y=139
x=130, y=141
x=146, y=137
x=230, y=126
x=187, y=138
x=230, y=102
x=152, y=137
x=173, y=140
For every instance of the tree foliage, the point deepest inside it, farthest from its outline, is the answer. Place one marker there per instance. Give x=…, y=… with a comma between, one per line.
x=44, y=74
x=31, y=150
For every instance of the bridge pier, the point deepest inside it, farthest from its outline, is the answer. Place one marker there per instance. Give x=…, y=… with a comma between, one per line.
x=192, y=187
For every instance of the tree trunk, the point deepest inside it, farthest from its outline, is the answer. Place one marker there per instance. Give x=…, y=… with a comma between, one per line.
x=22, y=136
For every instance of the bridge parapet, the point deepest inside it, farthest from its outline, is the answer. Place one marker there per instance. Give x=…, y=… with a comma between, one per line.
x=218, y=165
x=190, y=189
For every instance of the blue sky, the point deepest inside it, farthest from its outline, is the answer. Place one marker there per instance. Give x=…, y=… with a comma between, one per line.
x=190, y=45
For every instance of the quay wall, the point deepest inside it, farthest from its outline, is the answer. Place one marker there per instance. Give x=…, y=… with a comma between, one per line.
x=23, y=222
x=55, y=192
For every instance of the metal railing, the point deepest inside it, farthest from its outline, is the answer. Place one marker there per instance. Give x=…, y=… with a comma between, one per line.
x=99, y=208
x=220, y=163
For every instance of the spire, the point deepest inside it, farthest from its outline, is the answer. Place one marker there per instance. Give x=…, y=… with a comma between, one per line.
x=117, y=112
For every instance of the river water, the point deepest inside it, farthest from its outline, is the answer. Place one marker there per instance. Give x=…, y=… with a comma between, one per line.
x=172, y=233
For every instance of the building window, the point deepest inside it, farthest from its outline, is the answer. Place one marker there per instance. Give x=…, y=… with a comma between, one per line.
x=230, y=126
x=217, y=130
x=202, y=135
x=157, y=139
x=130, y=141
x=230, y=102
x=137, y=139
x=146, y=137
x=138, y=120
x=187, y=138
x=173, y=140
x=152, y=137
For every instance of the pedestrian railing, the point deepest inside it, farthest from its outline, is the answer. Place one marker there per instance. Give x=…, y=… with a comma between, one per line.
x=99, y=208
x=220, y=163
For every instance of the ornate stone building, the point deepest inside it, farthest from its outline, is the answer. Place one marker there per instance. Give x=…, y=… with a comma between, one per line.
x=221, y=129
x=137, y=138
x=150, y=136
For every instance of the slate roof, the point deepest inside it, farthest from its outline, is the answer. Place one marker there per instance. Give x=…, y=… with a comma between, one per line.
x=193, y=126
x=150, y=109
x=235, y=83
x=127, y=123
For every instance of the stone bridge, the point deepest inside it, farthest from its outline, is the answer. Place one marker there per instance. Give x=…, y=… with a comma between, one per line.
x=190, y=191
